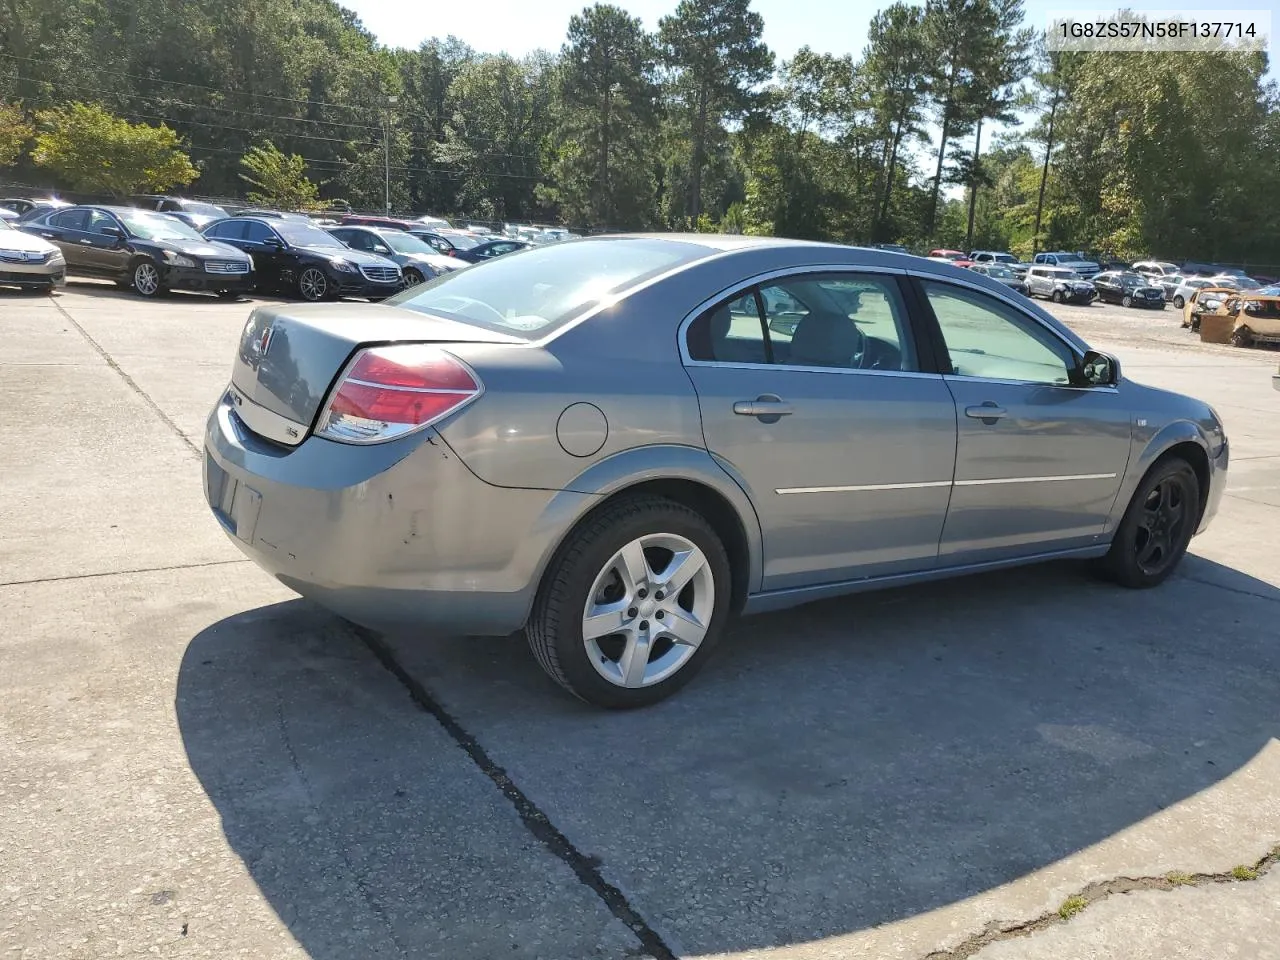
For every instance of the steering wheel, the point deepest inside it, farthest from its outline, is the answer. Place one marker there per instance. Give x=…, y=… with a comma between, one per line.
x=464, y=303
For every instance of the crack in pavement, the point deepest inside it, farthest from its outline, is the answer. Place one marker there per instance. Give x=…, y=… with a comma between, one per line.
x=129, y=381
x=1223, y=586
x=1101, y=890
x=585, y=867
x=122, y=573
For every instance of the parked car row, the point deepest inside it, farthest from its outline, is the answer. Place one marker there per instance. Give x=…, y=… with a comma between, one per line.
x=154, y=251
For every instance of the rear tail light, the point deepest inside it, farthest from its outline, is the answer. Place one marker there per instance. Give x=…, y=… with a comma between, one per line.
x=387, y=392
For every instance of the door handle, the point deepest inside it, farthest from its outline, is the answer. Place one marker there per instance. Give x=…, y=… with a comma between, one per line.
x=988, y=412
x=766, y=406
x=88, y=243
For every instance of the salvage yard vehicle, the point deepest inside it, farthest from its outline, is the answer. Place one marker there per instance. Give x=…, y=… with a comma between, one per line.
x=610, y=445
x=418, y=260
x=1208, y=299
x=1059, y=285
x=999, y=272
x=1070, y=261
x=1244, y=319
x=297, y=258
x=30, y=262
x=1129, y=290
x=151, y=253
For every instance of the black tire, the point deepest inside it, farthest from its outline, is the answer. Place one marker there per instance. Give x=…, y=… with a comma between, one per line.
x=1179, y=302
x=1126, y=301
x=230, y=295
x=1145, y=551
x=144, y=278
x=413, y=277
x=1056, y=296
x=554, y=631
x=1242, y=337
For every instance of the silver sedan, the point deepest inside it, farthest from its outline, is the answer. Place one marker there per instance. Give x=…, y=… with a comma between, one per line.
x=618, y=444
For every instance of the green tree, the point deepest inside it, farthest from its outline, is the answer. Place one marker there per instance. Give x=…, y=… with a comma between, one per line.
x=1002, y=63
x=278, y=179
x=715, y=59
x=896, y=69
x=92, y=150
x=15, y=132
x=602, y=173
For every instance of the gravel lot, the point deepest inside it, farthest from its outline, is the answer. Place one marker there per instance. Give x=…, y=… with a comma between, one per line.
x=195, y=763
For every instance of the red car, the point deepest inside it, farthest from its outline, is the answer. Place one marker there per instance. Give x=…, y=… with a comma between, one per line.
x=955, y=257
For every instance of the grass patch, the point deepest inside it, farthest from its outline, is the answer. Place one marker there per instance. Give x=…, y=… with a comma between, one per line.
x=1180, y=879
x=1244, y=873
x=1071, y=906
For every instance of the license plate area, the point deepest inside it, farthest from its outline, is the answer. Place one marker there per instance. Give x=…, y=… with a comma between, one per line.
x=235, y=504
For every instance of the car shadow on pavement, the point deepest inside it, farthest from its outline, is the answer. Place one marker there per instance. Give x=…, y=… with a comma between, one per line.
x=835, y=767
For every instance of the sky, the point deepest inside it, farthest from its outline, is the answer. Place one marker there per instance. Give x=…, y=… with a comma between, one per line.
x=829, y=26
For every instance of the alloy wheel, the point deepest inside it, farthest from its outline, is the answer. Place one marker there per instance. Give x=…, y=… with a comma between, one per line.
x=146, y=279
x=648, y=610
x=313, y=284
x=1126, y=301
x=1158, y=533
x=412, y=277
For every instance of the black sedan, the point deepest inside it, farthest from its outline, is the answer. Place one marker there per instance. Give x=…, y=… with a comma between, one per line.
x=150, y=252
x=297, y=258
x=1129, y=289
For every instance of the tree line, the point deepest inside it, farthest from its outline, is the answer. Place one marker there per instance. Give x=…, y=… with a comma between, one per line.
x=695, y=125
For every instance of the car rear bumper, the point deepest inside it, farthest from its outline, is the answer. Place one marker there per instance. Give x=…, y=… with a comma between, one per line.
x=397, y=536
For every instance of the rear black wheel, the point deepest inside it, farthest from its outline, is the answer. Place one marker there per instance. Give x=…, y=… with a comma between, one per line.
x=1157, y=527
x=633, y=603
x=1242, y=337
x=1179, y=302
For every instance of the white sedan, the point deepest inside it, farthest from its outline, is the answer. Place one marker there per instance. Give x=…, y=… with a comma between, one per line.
x=28, y=261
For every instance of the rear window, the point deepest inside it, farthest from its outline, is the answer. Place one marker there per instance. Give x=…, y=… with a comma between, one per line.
x=532, y=292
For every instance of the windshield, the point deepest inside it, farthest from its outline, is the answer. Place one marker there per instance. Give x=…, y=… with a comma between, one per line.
x=4, y=225
x=1063, y=275
x=531, y=294
x=1132, y=279
x=153, y=226
x=1247, y=283
x=303, y=235
x=461, y=240
x=1003, y=273
x=203, y=209
x=402, y=242
x=1005, y=258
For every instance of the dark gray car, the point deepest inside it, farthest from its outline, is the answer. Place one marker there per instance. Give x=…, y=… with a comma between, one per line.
x=617, y=444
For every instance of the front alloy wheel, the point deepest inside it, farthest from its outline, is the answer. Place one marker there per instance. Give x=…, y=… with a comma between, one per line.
x=1157, y=526
x=1126, y=301
x=412, y=277
x=1057, y=296
x=632, y=604
x=146, y=278
x=313, y=285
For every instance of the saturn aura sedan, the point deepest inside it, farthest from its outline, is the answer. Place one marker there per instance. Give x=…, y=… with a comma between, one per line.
x=615, y=445
x=31, y=263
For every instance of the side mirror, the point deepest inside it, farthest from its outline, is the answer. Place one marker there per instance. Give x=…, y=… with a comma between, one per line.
x=379, y=248
x=1098, y=370
x=114, y=232
x=273, y=243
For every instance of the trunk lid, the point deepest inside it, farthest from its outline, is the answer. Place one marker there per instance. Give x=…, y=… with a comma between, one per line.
x=289, y=356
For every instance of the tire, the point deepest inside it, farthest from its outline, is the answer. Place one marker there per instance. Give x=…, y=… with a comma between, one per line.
x=230, y=295
x=1126, y=301
x=589, y=572
x=1179, y=302
x=1242, y=337
x=1150, y=540
x=1056, y=296
x=413, y=277
x=144, y=277
x=314, y=285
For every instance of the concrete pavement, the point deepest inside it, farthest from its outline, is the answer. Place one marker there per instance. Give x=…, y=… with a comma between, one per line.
x=194, y=764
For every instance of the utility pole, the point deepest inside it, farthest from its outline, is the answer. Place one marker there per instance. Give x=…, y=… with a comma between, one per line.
x=386, y=154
